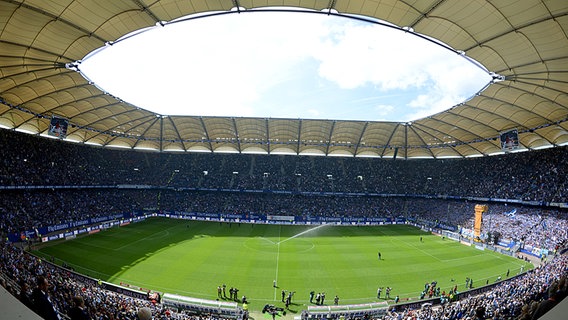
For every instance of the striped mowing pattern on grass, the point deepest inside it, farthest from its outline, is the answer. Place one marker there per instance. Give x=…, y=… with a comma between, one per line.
x=193, y=258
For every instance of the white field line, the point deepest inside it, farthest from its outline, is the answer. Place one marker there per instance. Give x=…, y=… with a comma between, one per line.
x=278, y=250
x=144, y=238
x=277, y=260
x=267, y=240
x=415, y=247
x=88, y=244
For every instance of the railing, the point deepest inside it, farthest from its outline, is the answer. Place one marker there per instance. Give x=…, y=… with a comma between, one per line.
x=222, y=308
x=374, y=310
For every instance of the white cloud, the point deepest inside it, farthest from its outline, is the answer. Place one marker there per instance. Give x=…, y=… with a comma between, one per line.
x=257, y=64
x=451, y=83
x=383, y=110
x=384, y=57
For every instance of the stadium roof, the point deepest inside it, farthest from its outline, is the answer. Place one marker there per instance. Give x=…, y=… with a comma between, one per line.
x=525, y=43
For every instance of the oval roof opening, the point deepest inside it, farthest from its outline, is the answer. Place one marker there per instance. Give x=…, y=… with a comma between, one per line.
x=285, y=64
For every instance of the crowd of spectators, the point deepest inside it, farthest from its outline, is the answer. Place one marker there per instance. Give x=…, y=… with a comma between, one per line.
x=525, y=297
x=522, y=297
x=29, y=209
x=531, y=227
x=19, y=272
x=538, y=175
x=536, y=227
x=100, y=182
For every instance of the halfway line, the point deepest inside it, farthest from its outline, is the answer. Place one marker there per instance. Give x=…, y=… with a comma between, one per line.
x=277, y=259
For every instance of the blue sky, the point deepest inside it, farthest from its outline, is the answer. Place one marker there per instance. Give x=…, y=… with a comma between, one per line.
x=284, y=65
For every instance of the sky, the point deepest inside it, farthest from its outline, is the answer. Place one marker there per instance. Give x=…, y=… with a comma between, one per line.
x=284, y=65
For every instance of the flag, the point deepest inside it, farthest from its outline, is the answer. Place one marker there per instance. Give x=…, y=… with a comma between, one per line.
x=509, y=140
x=58, y=127
x=511, y=213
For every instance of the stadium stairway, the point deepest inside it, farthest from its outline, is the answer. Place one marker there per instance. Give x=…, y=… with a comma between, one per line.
x=12, y=308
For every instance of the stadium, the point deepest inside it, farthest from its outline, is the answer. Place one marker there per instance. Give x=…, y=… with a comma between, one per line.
x=471, y=200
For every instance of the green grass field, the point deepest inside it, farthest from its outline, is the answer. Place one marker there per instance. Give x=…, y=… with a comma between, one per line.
x=192, y=258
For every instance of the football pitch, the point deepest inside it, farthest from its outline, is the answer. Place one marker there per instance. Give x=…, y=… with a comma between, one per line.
x=192, y=258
